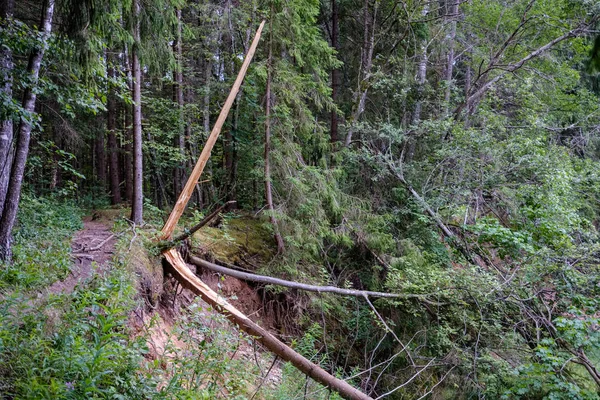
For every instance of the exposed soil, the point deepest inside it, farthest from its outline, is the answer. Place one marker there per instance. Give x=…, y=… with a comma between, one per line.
x=91, y=249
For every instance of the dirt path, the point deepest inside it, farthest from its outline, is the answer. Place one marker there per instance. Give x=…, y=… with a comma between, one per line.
x=91, y=248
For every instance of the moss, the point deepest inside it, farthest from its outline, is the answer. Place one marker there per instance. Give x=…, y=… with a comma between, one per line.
x=239, y=236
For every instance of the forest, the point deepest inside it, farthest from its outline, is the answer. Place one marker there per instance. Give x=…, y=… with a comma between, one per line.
x=300, y=199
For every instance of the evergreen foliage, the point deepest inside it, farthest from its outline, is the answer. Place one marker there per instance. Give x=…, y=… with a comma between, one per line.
x=470, y=181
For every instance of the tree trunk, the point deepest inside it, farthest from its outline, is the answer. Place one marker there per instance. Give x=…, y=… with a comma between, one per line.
x=137, y=202
x=421, y=73
x=100, y=158
x=115, y=191
x=11, y=203
x=128, y=134
x=360, y=96
x=206, y=123
x=232, y=191
x=450, y=60
x=268, y=100
x=187, y=279
x=6, y=125
x=421, y=78
x=128, y=156
x=335, y=73
x=178, y=172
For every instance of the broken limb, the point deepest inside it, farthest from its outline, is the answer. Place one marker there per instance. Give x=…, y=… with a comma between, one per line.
x=197, y=227
x=188, y=189
x=301, y=286
x=187, y=279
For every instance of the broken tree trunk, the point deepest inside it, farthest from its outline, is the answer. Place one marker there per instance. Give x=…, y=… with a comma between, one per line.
x=185, y=195
x=192, y=282
x=187, y=279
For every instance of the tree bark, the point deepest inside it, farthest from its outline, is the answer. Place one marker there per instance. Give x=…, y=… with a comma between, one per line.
x=128, y=133
x=178, y=172
x=294, y=285
x=268, y=100
x=453, y=11
x=206, y=123
x=11, y=203
x=6, y=124
x=187, y=279
x=100, y=157
x=421, y=78
x=421, y=72
x=137, y=203
x=360, y=96
x=115, y=191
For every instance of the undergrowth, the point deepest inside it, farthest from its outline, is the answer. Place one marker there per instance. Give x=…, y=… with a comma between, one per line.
x=41, y=244
x=81, y=345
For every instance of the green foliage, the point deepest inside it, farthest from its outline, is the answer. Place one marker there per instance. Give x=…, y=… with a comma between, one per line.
x=70, y=345
x=504, y=305
x=41, y=242
x=200, y=356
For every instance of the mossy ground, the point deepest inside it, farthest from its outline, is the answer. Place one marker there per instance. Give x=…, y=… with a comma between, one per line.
x=239, y=239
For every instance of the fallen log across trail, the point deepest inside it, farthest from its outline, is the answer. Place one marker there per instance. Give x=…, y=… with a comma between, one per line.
x=190, y=281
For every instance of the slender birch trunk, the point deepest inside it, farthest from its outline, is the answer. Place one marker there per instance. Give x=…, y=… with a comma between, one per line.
x=421, y=78
x=450, y=58
x=360, y=96
x=11, y=203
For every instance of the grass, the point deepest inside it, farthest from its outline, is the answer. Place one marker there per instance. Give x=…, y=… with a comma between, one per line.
x=41, y=244
x=81, y=345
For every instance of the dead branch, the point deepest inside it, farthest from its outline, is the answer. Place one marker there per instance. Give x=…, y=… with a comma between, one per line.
x=195, y=228
x=188, y=279
x=510, y=68
x=296, y=285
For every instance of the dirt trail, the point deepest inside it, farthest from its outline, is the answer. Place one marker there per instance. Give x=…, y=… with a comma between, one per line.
x=94, y=243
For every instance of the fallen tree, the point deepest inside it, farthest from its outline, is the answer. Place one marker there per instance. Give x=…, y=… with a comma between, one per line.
x=295, y=285
x=190, y=281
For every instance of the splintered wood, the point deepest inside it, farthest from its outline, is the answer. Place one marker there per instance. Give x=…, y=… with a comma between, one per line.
x=189, y=280
x=187, y=191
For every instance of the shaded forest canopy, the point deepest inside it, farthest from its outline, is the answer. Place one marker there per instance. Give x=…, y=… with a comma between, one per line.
x=446, y=153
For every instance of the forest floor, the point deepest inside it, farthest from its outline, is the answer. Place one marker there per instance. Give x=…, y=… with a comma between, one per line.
x=92, y=249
